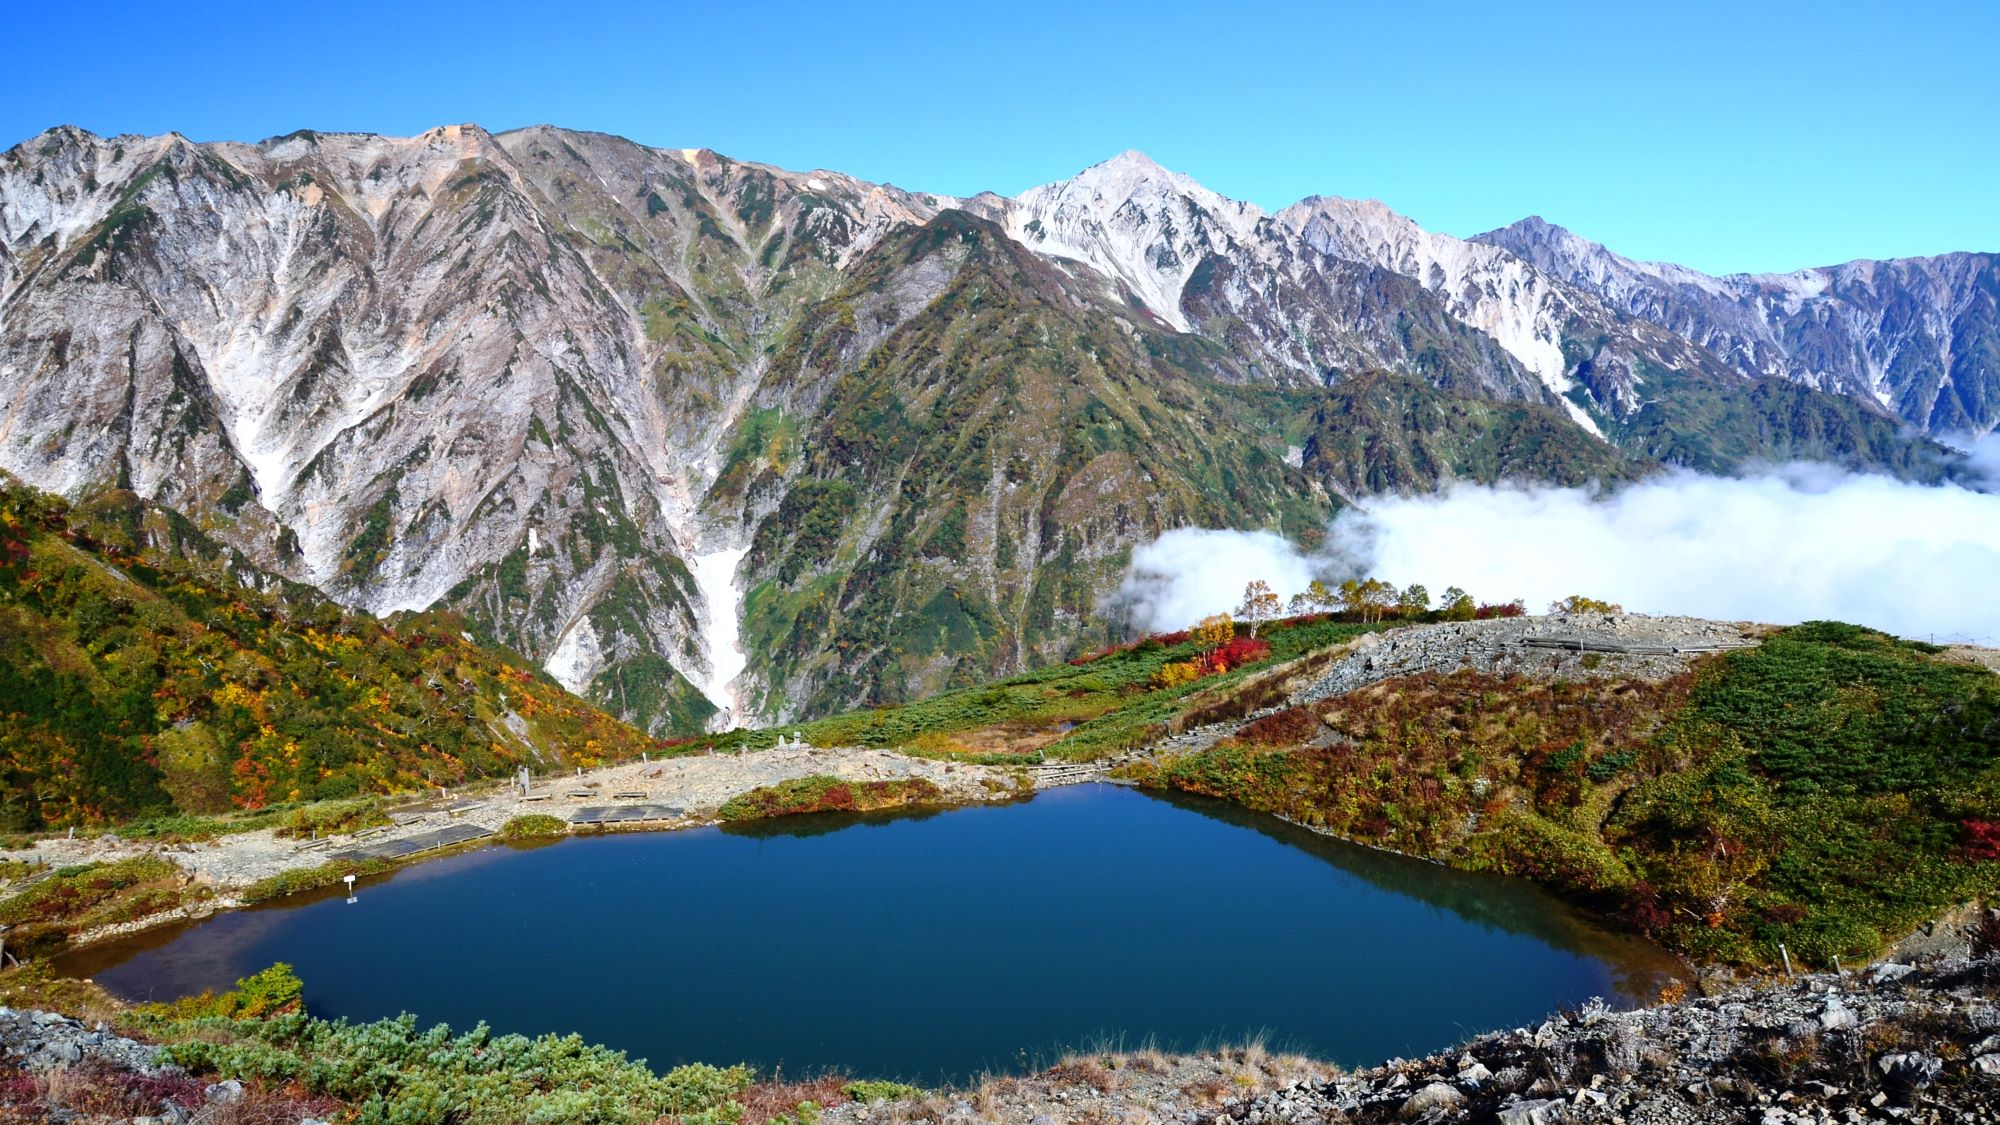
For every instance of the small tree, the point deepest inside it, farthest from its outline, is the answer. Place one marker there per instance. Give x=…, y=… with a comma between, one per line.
x=1260, y=604
x=1457, y=605
x=1415, y=601
x=1577, y=603
x=1319, y=596
x=1214, y=631
x=1366, y=599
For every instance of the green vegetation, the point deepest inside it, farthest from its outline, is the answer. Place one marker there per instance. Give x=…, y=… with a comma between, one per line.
x=150, y=684
x=1828, y=790
x=301, y=879
x=821, y=793
x=534, y=826
x=1095, y=705
x=43, y=917
x=879, y=1091
x=269, y=992
x=1718, y=426
x=392, y=1072
x=1385, y=433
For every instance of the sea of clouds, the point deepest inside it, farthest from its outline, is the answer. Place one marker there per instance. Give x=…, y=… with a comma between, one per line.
x=1788, y=544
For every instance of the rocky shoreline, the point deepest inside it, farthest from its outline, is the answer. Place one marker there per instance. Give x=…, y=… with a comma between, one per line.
x=1895, y=1043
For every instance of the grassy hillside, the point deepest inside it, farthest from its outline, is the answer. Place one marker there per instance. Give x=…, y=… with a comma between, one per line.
x=144, y=672
x=1830, y=790
x=1095, y=705
x=1386, y=433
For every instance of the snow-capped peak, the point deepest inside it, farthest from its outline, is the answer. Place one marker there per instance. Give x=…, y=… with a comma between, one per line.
x=1134, y=221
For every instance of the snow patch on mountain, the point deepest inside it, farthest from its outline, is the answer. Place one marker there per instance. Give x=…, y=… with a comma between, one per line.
x=721, y=629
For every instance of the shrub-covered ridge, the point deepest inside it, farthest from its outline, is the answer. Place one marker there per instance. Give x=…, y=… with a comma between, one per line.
x=1827, y=790
x=144, y=673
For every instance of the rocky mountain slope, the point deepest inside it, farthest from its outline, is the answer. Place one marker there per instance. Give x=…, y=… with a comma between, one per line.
x=609, y=400
x=1921, y=336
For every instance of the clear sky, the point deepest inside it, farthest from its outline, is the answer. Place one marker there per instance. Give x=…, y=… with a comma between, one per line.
x=1752, y=134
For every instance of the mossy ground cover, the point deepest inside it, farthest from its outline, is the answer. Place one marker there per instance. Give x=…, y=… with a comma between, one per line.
x=1828, y=790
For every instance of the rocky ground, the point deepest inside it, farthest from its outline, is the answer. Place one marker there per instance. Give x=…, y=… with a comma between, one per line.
x=1897, y=1043
x=1521, y=646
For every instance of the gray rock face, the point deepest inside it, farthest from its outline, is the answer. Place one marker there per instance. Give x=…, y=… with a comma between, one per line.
x=531, y=376
x=43, y=1041
x=1915, y=334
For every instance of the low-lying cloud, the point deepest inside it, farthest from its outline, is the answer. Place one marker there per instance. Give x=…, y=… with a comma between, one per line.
x=1790, y=544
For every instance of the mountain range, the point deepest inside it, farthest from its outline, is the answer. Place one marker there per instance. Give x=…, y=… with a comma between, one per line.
x=619, y=406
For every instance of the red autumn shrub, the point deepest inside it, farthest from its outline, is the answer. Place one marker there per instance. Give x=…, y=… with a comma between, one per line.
x=1289, y=727
x=1982, y=840
x=1235, y=654
x=1515, y=608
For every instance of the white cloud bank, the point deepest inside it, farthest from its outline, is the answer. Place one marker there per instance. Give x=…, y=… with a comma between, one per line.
x=1788, y=545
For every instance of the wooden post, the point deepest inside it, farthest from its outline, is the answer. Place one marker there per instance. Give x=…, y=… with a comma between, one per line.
x=1786, y=954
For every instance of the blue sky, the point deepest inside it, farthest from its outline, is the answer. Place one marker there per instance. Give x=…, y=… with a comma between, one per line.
x=1745, y=135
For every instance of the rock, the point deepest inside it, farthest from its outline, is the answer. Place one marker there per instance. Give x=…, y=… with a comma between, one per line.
x=1889, y=971
x=1434, y=1096
x=1987, y=1064
x=1545, y=1112
x=223, y=1093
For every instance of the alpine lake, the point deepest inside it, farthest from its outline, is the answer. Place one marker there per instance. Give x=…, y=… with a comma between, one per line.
x=927, y=947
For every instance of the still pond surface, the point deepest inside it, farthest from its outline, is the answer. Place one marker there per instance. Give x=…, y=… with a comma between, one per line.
x=928, y=947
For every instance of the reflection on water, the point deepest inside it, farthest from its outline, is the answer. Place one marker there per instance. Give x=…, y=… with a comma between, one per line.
x=1514, y=905
x=927, y=946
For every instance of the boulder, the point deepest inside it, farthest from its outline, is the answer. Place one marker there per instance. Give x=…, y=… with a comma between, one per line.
x=1434, y=1096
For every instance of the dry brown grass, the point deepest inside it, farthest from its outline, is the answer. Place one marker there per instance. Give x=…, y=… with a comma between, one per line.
x=1084, y=1071
x=767, y=1100
x=1206, y=1091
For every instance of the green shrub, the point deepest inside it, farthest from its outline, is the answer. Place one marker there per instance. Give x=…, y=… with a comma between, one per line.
x=822, y=793
x=870, y=1090
x=311, y=878
x=534, y=826
x=269, y=992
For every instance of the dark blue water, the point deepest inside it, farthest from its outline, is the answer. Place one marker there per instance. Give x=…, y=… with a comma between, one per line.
x=928, y=947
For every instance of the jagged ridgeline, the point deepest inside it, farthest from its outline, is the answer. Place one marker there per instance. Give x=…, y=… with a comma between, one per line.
x=547, y=378
x=146, y=668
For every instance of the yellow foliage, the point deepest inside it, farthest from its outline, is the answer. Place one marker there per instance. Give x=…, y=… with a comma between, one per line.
x=1215, y=631
x=1176, y=674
